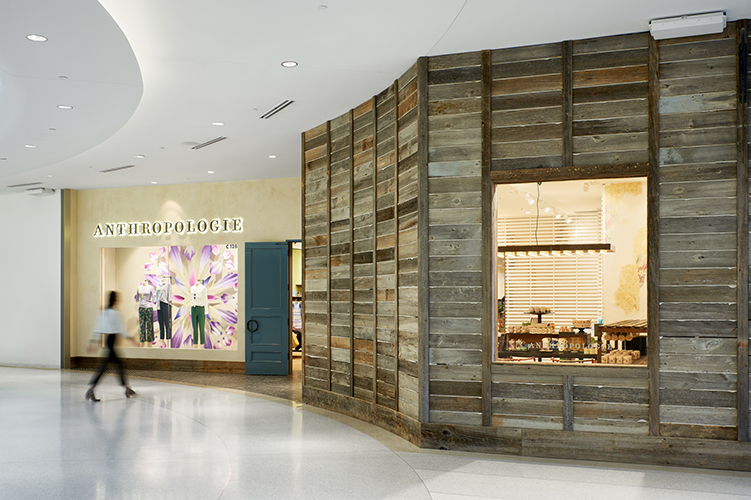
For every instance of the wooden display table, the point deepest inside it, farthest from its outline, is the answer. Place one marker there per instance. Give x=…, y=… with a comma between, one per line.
x=634, y=328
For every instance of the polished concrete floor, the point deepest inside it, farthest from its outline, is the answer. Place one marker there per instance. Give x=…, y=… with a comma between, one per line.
x=189, y=442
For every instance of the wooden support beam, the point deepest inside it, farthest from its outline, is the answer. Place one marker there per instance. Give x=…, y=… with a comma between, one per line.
x=302, y=302
x=568, y=402
x=396, y=244
x=423, y=226
x=374, y=210
x=653, y=235
x=551, y=174
x=488, y=244
x=351, y=252
x=742, y=231
x=328, y=250
x=568, y=103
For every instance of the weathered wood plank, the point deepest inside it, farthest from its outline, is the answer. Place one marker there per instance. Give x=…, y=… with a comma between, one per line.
x=716, y=66
x=526, y=85
x=697, y=103
x=611, y=59
x=696, y=277
x=462, y=373
x=698, y=311
x=696, y=85
x=697, y=137
x=527, y=53
x=698, y=207
x=701, y=225
x=699, y=363
x=698, y=415
x=621, y=125
x=691, y=397
x=698, y=50
x=698, y=381
x=708, y=293
x=521, y=117
x=698, y=242
x=693, y=189
x=528, y=391
x=607, y=110
x=526, y=133
x=531, y=407
x=453, y=91
x=610, y=76
x=611, y=44
x=610, y=142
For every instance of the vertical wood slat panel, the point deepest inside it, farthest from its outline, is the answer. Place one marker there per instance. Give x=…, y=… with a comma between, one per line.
x=568, y=403
x=352, y=253
x=423, y=238
x=653, y=236
x=742, y=232
x=488, y=244
x=375, y=248
x=396, y=242
x=568, y=103
x=328, y=248
x=303, y=225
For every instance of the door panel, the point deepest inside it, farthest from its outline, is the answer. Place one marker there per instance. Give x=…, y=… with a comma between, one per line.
x=266, y=309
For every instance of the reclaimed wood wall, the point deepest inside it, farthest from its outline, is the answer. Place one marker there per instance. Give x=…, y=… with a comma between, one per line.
x=455, y=232
x=361, y=251
x=698, y=235
x=398, y=218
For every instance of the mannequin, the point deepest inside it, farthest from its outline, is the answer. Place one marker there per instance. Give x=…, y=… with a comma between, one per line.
x=146, y=296
x=199, y=298
x=164, y=311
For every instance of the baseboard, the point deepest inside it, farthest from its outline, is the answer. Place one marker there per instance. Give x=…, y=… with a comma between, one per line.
x=177, y=365
x=721, y=453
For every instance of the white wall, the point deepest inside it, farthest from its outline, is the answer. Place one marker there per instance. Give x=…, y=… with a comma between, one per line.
x=30, y=292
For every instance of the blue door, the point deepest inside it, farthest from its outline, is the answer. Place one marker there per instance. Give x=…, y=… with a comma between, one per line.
x=266, y=309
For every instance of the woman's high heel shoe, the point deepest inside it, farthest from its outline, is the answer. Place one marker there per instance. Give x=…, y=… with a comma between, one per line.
x=90, y=396
x=129, y=393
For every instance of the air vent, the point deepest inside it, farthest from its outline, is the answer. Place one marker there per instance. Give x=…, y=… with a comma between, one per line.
x=268, y=114
x=40, y=191
x=107, y=171
x=208, y=143
x=24, y=185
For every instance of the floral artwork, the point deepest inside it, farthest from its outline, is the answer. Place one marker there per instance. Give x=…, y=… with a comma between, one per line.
x=216, y=267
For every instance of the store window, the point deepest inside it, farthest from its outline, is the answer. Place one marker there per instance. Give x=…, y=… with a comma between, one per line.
x=571, y=272
x=175, y=297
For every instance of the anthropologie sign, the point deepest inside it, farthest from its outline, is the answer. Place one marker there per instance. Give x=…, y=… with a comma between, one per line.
x=201, y=226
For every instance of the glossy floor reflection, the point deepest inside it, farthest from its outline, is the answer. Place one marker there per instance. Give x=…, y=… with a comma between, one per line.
x=187, y=442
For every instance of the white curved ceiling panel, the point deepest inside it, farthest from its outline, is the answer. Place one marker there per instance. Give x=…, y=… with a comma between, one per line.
x=86, y=63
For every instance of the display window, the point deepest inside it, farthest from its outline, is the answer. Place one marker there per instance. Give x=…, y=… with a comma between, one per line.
x=571, y=272
x=183, y=297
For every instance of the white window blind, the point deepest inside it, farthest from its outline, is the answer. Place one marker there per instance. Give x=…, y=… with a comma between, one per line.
x=571, y=285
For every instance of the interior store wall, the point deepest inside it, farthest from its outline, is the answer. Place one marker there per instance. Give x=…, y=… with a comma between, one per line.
x=625, y=270
x=31, y=250
x=270, y=210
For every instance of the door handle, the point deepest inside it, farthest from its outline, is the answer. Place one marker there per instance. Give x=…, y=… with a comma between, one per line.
x=249, y=327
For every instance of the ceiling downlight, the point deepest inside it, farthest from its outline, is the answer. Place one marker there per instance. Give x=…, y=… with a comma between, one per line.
x=268, y=114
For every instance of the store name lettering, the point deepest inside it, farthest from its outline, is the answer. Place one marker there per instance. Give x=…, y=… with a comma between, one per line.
x=167, y=227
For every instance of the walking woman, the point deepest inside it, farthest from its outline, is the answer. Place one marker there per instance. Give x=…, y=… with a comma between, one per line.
x=110, y=324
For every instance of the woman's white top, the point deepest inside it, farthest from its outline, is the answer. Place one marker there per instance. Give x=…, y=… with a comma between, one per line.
x=199, y=296
x=146, y=295
x=109, y=322
x=163, y=293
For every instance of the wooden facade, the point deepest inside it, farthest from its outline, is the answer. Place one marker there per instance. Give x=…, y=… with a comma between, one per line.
x=399, y=248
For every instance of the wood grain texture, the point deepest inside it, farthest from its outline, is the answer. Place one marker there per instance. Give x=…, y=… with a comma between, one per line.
x=742, y=195
x=488, y=252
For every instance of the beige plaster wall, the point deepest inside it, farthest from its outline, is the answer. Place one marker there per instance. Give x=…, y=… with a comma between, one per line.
x=270, y=209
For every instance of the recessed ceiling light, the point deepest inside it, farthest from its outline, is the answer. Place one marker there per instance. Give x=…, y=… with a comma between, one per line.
x=29, y=146
x=37, y=38
x=211, y=171
x=289, y=64
x=48, y=175
x=272, y=156
x=153, y=182
x=64, y=106
x=140, y=156
x=218, y=124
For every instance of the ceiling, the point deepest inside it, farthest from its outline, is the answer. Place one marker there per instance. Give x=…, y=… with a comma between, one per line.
x=149, y=78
